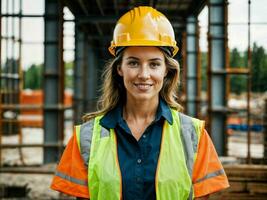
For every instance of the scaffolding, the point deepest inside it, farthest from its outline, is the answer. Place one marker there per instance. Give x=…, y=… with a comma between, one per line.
x=219, y=72
x=12, y=78
x=11, y=73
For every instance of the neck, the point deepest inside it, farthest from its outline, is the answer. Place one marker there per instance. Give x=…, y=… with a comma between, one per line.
x=140, y=110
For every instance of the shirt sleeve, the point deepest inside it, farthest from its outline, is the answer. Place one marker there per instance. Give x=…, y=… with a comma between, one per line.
x=208, y=174
x=71, y=173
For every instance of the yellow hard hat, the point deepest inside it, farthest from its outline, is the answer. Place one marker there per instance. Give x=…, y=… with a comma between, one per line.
x=143, y=26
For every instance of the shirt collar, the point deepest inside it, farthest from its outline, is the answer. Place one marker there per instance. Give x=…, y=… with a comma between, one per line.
x=113, y=117
x=164, y=111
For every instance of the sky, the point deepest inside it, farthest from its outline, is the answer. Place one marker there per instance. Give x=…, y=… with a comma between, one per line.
x=33, y=29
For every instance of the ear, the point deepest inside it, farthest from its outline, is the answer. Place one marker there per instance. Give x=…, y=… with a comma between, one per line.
x=119, y=70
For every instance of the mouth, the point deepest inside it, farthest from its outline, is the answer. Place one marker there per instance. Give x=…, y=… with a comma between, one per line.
x=143, y=86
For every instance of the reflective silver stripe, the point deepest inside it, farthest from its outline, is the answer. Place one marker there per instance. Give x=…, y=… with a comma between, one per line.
x=210, y=175
x=190, y=194
x=86, y=134
x=71, y=179
x=189, y=128
x=190, y=141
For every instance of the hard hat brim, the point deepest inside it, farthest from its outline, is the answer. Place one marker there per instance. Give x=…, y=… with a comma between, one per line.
x=145, y=43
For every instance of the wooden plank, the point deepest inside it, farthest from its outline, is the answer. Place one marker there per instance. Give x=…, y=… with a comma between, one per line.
x=247, y=182
x=246, y=173
x=238, y=196
x=237, y=187
x=257, y=188
x=44, y=169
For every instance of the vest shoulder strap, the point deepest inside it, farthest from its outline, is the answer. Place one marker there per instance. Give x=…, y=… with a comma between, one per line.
x=86, y=134
x=190, y=133
x=190, y=130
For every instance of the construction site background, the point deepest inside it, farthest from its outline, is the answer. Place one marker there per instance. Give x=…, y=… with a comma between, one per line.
x=52, y=56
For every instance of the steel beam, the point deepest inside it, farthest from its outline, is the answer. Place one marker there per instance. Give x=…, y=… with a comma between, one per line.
x=265, y=131
x=1, y=124
x=249, y=84
x=192, y=67
x=115, y=3
x=91, y=79
x=114, y=18
x=98, y=2
x=53, y=79
x=79, y=66
x=217, y=61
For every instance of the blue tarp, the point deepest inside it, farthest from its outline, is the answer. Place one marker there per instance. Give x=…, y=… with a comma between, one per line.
x=244, y=127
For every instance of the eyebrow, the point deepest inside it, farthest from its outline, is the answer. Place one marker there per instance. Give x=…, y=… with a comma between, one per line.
x=152, y=59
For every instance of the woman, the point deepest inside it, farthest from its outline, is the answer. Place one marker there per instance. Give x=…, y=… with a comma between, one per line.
x=138, y=145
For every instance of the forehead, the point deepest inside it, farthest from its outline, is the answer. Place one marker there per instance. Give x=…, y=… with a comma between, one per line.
x=143, y=52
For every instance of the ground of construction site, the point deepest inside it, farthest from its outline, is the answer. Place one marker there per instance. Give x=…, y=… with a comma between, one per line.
x=53, y=53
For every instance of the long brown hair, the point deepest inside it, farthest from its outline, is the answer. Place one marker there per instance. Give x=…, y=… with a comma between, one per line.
x=113, y=90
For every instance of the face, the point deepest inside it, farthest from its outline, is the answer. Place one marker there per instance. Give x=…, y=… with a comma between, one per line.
x=143, y=70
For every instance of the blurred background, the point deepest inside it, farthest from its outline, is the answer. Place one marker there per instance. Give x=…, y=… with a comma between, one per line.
x=52, y=56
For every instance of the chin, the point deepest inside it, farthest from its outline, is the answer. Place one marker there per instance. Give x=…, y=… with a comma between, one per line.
x=144, y=97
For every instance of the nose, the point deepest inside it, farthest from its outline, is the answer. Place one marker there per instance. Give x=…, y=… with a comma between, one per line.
x=144, y=72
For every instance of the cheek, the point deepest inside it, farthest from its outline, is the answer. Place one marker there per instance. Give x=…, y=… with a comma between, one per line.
x=129, y=75
x=159, y=77
x=127, y=79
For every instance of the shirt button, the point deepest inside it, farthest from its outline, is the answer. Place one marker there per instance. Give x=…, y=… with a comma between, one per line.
x=139, y=161
x=144, y=136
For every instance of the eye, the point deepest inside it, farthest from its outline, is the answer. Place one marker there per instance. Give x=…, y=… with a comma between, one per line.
x=154, y=65
x=133, y=63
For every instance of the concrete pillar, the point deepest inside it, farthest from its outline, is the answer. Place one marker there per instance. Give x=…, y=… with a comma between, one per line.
x=217, y=89
x=53, y=80
x=192, y=65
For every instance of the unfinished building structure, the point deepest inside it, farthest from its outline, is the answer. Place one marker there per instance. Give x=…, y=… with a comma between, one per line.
x=94, y=22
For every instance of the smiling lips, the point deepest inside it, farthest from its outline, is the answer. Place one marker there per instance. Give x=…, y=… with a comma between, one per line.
x=143, y=86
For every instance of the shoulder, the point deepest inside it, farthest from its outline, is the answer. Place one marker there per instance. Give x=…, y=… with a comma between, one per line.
x=84, y=131
x=89, y=123
x=187, y=120
x=190, y=124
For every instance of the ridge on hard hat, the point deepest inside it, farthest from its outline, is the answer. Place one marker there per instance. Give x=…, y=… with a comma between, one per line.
x=143, y=26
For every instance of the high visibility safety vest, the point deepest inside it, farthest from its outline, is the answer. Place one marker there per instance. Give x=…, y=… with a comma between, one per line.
x=98, y=147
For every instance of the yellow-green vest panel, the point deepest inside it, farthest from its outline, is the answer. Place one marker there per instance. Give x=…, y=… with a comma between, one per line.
x=98, y=147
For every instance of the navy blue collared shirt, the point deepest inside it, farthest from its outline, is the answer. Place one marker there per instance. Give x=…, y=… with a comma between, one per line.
x=138, y=159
